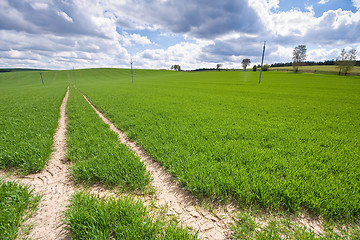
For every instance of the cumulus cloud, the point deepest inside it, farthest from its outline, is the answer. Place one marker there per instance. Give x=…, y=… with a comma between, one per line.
x=335, y=27
x=356, y=4
x=201, y=19
x=322, y=54
x=59, y=34
x=96, y=33
x=130, y=40
x=185, y=54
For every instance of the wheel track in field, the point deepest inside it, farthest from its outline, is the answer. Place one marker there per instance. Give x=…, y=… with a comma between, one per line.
x=179, y=202
x=55, y=186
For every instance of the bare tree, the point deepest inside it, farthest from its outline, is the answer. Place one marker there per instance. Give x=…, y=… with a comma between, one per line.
x=218, y=66
x=346, y=61
x=299, y=56
x=245, y=62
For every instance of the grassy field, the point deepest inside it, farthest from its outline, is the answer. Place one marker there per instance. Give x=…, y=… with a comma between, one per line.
x=95, y=151
x=28, y=119
x=289, y=143
x=330, y=69
x=16, y=202
x=89, y=217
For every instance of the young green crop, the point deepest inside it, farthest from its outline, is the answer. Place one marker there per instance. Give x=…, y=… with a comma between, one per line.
x=288, y=143
x=91, y=218
x=16, y=201
x=28, y=119
x=250, y=225
x=96, y=152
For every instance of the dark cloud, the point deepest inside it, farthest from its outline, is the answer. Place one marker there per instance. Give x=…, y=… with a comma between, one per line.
x=204, y=19
x=57, y=17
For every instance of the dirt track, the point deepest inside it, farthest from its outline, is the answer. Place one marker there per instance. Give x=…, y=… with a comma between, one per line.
x=55, y=186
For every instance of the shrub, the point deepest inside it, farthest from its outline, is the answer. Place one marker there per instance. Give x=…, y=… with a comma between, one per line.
x=265, y=67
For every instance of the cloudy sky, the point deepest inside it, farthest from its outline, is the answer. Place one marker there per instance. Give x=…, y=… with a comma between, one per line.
x=62, y=34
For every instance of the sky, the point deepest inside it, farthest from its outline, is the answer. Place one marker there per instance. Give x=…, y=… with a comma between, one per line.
x=155, y=34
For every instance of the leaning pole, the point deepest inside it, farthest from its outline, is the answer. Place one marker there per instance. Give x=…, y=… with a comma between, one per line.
x=262, y=61
x=132, y=75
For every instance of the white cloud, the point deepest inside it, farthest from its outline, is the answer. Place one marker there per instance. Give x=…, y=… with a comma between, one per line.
x=15, y=54
x=356, y=4
x=65, y=16
x=322, y=54
x=284, y=53
x=130, y=40
x=323, y=1
x=186, y=54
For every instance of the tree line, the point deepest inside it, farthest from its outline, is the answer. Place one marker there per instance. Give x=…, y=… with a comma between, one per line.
x=345, y=62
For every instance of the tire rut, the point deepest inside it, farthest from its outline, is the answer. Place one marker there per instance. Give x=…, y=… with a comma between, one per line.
x=55, y=186
x=179, y=202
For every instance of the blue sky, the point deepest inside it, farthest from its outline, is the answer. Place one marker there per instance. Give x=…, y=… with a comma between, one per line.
x=319, y=6
x=159, y=33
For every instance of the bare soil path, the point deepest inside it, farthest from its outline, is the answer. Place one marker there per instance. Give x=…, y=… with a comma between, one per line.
x=179, y=201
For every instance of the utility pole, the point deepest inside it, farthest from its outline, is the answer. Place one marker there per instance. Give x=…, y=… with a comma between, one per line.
x=42, y=80
x=132, y=76
x=74, y=75
x=262, y=61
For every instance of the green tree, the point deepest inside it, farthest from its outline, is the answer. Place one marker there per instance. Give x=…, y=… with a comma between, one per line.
x=245, y=62
x=299, y=56
x=254, y=68
x=346, y=61
x=176, y=67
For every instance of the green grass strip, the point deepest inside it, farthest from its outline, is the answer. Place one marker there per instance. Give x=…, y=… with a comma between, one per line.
x=96, y=152
x=16, y=201
x=91, y=218
x=29, y=117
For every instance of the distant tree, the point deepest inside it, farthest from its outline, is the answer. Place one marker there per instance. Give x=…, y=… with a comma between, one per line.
x=346, y=61
x=218, y=66
x=254, y=68
x=265, y=67
x=245, y=62
x=176, y=67
x=299, y=56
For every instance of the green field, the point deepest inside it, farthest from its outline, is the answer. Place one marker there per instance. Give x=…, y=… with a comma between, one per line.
x=29, y=117
x=326, y=69
x=291, y=142
x=89, y=217
x=95, y=151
